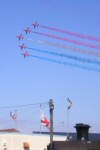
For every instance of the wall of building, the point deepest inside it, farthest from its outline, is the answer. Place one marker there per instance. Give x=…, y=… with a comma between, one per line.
x=10, y=141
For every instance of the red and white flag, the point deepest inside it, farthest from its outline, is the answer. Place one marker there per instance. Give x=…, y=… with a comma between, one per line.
x=13, y=116
x=45, y=121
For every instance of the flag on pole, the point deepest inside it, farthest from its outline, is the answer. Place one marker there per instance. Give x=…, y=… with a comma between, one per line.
x=13, y=116
x=45, y=121
x=69, y=103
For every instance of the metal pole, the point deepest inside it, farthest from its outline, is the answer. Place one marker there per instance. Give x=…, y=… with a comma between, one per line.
x=69, y=104
x=67, y=123
x=40, y=118
x=16, y=120
x=51, y=105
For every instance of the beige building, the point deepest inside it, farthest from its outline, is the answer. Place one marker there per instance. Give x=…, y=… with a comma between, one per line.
x=18, y=141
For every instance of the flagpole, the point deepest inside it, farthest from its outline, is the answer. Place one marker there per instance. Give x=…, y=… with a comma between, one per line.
x=16, y=120
x=67, y=123
x=40, y=118
x=69, y=104
x=14, y=117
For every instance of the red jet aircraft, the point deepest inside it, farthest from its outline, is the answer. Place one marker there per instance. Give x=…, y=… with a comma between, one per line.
x=25, y=54
x=20, y=37
x=36, y=24
x=22, y=46
x=28, y=30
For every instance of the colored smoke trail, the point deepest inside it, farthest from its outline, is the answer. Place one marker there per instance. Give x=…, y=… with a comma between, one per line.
x=66, y=63
x=68, y=40
x=73, y=33
x=83, y=60
x=68, y=47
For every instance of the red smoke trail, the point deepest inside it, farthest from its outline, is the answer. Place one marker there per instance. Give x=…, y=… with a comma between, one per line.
x=68, y=40
x=73, y=33
x=68, y=47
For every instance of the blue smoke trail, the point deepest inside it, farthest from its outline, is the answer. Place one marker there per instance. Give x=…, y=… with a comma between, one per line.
x=66, y=63
x=83, y=60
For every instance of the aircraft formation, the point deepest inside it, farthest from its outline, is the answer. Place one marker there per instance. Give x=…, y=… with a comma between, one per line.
x=21, y=37
x=78, y=61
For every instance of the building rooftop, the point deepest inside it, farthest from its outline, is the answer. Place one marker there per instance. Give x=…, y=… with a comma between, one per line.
x=9, y=130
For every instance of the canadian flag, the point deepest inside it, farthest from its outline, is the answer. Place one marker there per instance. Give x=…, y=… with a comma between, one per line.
x=13, y=116
x=45, y=121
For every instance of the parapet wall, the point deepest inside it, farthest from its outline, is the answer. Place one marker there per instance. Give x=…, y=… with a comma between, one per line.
x=75, y=145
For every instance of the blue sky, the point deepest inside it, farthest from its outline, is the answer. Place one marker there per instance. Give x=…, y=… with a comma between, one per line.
x=31, y=80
